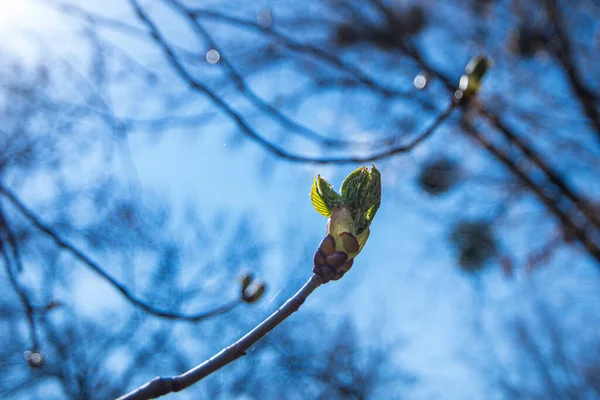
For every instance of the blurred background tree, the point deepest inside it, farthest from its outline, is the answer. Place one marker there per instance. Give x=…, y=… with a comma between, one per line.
x=130, y=130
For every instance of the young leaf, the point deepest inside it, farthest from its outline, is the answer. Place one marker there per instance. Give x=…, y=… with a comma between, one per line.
x=373, y=193
x=354, y=188
x=350, y=180
x=317, y=201
x=329, y=196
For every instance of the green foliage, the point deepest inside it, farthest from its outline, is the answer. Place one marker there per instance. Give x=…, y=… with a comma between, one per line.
x=361, y=195
x=351, y=180
x=324, y=198
x=350, y=215
x=317, y=201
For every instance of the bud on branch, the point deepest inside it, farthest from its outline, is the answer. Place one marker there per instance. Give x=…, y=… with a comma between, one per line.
x=350, y=215
x=470, y=81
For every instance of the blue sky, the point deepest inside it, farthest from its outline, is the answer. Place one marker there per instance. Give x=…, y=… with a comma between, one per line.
x=405, y=282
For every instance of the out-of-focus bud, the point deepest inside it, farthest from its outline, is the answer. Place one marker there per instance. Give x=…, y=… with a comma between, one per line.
x=52, y=305
x=475, y=244
x=245, y=278
x=470, y=81
x=254, y=292
x=438, y=176
x=34, y=358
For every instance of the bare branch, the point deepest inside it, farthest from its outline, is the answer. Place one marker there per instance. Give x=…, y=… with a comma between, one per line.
x=246, y=128
x=78, y=254
x=538, y=160
x=29, y=308
x=161, y=386
x=293, y=45
x=553, y=176
x=580, y=233
x=585, y=96
x=239, y=81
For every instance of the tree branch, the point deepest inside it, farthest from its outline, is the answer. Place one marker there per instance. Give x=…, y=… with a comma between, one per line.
x=29, y=308
x=293, y=45
x=245, y=90
x=245, y=126
x=161, y=386
x=585, y=96
x=553, y=176
x=78, y=254
x=551, y=204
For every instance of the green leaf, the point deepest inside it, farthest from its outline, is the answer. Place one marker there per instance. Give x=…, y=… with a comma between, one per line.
x=354, y=189
x=370, y=214
x=350, y=180
x=368, y=200
x=373, y=194
x=361, y=195
x=317, y=201
x=329, y=196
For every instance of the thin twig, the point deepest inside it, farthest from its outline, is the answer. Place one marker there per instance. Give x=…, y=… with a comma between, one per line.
x=29, y=308
x=12, y=241
x=247, y=129
x=579, y=233
x=245, y=90
x=536, y=158
x=528, y=151
x=565, y=54
x=161, y=386
x=78, y=254
x=293, y=45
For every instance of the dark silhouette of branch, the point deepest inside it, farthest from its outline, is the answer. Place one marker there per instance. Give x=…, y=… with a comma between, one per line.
x=233, y=74
x=12, y=241
x=27, y=304
x=553, y=176
x=508, y=133
x=246, y=128
x=551, y=204
x=161, y=386
x=79, y=255
x=235, y=77
x=231, y=71
x=588, y=99
x=239, y=81
x=535, y=354
x=296, y=46
x=290, y=124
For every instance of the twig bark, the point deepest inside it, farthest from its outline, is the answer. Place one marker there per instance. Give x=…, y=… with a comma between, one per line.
x=161, y=386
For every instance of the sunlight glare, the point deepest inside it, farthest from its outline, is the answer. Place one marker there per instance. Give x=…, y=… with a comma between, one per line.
x=15, y=13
